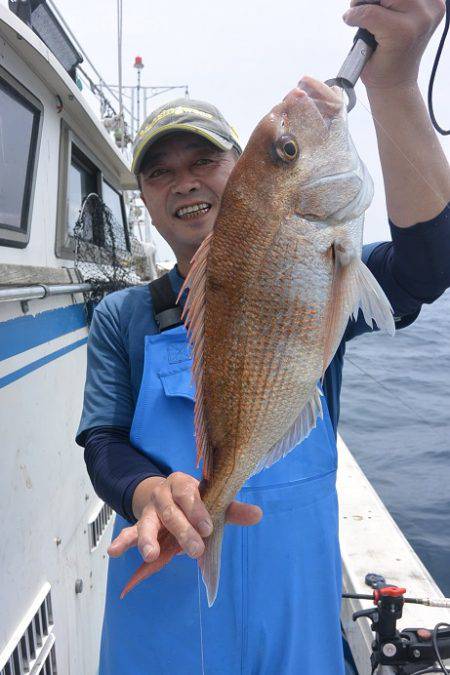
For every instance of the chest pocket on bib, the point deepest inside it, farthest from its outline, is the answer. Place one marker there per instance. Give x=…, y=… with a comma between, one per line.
x=179, y=383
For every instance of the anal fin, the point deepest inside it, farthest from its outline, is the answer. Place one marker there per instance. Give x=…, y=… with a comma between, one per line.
x=300, y=429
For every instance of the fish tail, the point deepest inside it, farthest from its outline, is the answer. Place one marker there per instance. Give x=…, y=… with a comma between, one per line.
x=210, y=562
x=169, y=548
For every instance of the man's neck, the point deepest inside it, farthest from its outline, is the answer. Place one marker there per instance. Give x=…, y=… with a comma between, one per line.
x=183, y=267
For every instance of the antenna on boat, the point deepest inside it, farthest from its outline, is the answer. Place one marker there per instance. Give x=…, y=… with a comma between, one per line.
x=119, y=66
x=138, y=65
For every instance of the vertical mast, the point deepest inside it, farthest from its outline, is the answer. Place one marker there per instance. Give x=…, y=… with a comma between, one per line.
x=139, y=66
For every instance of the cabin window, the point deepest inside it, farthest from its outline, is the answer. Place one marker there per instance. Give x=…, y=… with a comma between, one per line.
x=20, y=115
x=83, y=179
x=81, y=174
x=113, y=201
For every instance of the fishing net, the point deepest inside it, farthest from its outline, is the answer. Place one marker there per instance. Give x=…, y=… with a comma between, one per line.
x=107, y=255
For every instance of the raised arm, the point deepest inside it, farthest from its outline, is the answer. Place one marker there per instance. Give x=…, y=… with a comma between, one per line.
x=415, y=170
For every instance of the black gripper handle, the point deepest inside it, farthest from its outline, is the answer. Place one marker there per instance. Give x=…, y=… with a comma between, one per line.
x=369, y=39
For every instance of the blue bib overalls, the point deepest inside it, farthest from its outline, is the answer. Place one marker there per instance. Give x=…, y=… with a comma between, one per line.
x=277, y=609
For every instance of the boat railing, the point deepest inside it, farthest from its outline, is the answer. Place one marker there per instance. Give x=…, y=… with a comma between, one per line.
x=40, y=291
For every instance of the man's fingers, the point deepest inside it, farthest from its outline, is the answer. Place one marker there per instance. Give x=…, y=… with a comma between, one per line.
x=148, y=528
x=186, y=495
x=377, y=20
x=436, y=7
x=399, y=18
x=125, y=540
x=176, y=522
x=239, y=513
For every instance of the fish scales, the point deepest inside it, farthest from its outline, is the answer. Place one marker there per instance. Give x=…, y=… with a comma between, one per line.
x=242, y=359
x=271, y=292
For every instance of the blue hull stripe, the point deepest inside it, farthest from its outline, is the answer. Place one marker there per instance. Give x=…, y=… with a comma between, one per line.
x=26, y=332
x=17, y=374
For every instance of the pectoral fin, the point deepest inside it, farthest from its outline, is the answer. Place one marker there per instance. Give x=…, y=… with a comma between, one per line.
x=354, y=288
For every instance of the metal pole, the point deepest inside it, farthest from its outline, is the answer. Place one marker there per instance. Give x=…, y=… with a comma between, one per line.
x=138, y=65
x=138, y=97
x=119, y=59
x=132, y=113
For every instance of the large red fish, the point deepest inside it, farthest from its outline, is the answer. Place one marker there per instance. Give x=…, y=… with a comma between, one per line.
x=271, y=292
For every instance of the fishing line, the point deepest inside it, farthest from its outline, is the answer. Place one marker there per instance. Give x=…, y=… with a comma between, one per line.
x=394, y=394
x=432, y=188
x=200, y=619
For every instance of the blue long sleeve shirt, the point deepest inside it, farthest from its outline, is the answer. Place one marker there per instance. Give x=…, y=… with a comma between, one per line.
x=412, y=269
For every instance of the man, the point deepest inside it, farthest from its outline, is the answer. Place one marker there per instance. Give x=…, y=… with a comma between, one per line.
x=269, y=617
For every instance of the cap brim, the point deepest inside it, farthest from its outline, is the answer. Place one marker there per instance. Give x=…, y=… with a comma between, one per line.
x=155, y=135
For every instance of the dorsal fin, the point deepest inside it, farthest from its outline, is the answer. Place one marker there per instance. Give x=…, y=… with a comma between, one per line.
x=194, y=317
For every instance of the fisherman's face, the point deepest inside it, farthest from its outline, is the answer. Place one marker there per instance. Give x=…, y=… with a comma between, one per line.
x=182, y=182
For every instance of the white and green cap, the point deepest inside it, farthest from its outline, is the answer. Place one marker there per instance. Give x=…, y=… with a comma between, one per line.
x=198, y=117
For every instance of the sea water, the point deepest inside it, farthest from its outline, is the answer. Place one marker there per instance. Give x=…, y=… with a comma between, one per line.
x=395, y=419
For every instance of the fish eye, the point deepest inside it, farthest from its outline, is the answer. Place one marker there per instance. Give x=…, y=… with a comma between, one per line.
x=287, y=148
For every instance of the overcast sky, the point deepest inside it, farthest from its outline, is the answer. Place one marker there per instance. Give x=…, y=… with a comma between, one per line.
x=243, y=57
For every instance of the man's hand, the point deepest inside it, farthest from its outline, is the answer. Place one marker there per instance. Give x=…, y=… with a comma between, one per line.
x=402, y=29
x=174, y=503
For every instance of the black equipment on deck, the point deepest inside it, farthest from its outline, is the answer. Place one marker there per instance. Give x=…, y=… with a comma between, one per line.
x=410, y=651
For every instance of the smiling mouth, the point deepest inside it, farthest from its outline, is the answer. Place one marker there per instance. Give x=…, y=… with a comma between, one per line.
x=193, y=211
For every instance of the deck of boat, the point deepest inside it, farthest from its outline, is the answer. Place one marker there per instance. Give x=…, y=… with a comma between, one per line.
x=372, y=542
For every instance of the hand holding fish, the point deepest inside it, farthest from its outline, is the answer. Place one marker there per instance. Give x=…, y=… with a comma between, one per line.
x=174, y=504
x=402, y=29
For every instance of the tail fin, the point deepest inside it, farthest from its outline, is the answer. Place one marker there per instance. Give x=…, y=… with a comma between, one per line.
x=169, y=548
x=210, y=562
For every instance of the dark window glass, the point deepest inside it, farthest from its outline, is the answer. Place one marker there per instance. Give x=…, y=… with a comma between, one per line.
x=82, y=181
x=19, y=122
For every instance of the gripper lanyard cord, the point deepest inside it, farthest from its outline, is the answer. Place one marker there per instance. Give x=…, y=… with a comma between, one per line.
x=444, y=132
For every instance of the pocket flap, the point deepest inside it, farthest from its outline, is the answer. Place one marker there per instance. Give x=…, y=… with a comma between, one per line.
x=179, y=383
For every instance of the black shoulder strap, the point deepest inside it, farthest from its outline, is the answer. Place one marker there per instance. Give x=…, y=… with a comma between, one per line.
x=165, y=309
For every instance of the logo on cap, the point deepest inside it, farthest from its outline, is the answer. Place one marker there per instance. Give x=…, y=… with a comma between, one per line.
x=179, y=110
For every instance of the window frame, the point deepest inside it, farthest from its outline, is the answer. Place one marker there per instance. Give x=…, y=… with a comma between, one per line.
x=64, y=242
x=11, y=236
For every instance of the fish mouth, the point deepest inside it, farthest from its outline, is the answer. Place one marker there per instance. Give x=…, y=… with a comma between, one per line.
x=328, y=100
x=191, y=211
x=318, y=96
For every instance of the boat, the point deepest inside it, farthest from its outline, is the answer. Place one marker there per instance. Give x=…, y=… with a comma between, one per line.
x=55, y=151
x=55, y=530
